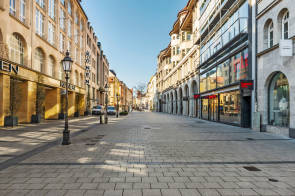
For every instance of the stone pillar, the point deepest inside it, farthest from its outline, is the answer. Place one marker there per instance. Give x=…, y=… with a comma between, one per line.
x=26, y=101
x=72, y=104
x=52, y=103
x=4, y=97
x=192, y=108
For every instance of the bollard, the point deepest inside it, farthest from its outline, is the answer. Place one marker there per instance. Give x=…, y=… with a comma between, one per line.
x=100, y=119
x=106, y=120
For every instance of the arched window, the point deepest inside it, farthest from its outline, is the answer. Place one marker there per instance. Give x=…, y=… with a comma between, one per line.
x=16, y=49
x=60, y=72
x=39, y=60
x=76, y=78
x=270, y=35
x=51, y=66
x=285, y=25
x=279, y=105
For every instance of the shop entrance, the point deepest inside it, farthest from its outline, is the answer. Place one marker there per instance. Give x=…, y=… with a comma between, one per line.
x=213, y=108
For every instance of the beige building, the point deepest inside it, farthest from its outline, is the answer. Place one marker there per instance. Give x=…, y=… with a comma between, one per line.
x=176, y=75
x=151, y=93
x=34, y=36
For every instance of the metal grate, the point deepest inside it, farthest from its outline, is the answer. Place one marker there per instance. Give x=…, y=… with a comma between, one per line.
x=273, y=180
x=251, y=139
x=251, y=168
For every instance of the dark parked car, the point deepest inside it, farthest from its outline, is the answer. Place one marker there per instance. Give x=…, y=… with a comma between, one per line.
x=97, y=110
x=111, y=110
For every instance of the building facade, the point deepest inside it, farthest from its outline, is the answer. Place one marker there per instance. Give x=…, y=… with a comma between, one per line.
x=208, y=73
x=275, y=66
x=34, y=36
x=151, y=93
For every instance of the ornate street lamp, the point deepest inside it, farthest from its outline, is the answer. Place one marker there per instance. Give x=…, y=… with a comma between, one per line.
x=106, y=90
x=67, y=66
x=118, y=96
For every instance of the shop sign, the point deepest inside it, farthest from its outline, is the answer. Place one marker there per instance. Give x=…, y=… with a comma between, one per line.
x=70, y=86
x=286, y=47
x=210, y=97
x=246, y=84
x=197, y=96
x=8, y=67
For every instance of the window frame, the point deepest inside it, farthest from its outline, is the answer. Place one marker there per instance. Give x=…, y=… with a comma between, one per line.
x=285, y=20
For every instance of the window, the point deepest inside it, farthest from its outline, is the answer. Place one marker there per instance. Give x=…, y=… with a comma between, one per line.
x=81, y=41
x=41, y=3
x=69, y=28
x=51, y=65
x=39, y=60
x=39, y=23
x=61, y=42
x=183, y=36
x=22, y=15
x=62, y=2
x=12, y=7
x=270, y=35
x=62, y=19
x=69, y=45
x=178, y=50
x=81, y=26
x=51, y=8
x=69, y=7
x=285, y=26
x=51, y=31
x=76, y=36
x=279, y=104
x=75, y=54
x=77, y=18
x=16, y=49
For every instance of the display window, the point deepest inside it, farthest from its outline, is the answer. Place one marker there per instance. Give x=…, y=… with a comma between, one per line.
x=230, y=107
x=279, y=103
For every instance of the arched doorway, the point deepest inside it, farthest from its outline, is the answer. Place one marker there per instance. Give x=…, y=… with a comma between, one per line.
x=180, y=102
x=194, y=88
x=186, y=92
x=279, y=101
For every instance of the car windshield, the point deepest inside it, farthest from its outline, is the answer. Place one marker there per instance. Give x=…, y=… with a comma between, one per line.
x=111, y=108
x=97, y=107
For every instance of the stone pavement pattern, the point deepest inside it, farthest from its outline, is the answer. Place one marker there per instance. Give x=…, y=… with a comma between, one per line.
x=151, y=154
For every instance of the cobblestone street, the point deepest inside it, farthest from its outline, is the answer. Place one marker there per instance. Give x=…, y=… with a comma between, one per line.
x=151, y=154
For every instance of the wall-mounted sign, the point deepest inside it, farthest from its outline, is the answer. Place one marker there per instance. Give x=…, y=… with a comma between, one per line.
x=70, y=86
x=286, y=47
x=210, y=97
x=4, y=66
x=197, y=96
x=247, y=84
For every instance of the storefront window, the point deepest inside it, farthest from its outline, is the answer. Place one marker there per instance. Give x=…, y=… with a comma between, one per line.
x=223, y=74
x=205, y=109
x=229, y=107
x=212, y=79
x=279, y=105
x=239, y=67
x=203, y=83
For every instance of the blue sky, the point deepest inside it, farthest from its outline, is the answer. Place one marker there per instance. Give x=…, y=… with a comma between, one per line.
x=132, y=33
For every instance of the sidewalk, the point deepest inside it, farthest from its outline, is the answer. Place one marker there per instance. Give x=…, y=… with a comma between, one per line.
x=16, y=141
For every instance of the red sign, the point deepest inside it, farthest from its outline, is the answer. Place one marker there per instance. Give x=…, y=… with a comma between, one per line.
x=247, y=85
x=197, y=96
x=212, y=96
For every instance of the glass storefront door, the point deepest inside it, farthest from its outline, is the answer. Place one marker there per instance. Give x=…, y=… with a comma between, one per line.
x=213, y=108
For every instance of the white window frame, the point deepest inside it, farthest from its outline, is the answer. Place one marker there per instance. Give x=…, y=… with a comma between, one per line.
x=51, y=33
x=22, y=14
x=51, y=66
x=69, y=28
x=51, y=8
x=62, y=19
x=61, y=42
x=16, y=49
x=39, y=23
x=41, y=3
x=270, y=35
x=285, y=19
x=12, y=7
x=39, y=60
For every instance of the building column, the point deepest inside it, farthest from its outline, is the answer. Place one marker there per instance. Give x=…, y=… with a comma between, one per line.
x=4, y=97
x=192, y=108
x=72, y=104
x=82, y=105
x=27, y=101
x=52, y=103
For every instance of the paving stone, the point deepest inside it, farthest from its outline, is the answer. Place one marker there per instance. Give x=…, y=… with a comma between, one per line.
x=265, y=192
x=228, y=192
x=132, y=193
x=141, y=185
x=151, y=192
x=165, y=179
x=113, y=193
x=94, y=193
x=72, y=186
x=106, y=186
x=75, y=192
x=159, y=185
x=176, y=185
x=170, y=192
x=37, y=192
x=54, y=186
x=181, y=179
x=123, y=186
x=133, y=179
x=246, y=192
x=189, y=192
x=89, y=186
x=209, y=192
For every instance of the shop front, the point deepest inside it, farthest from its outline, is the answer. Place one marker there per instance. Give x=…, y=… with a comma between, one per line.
x=225, y=91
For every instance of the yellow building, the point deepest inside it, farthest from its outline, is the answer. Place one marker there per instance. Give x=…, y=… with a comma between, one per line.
x=34, y=36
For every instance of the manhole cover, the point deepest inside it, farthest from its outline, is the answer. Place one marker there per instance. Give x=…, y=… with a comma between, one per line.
x=273, y=180
x=251, y=168
x=250, y=139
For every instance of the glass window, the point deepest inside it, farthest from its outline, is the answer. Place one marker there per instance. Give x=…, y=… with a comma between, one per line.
x=39, y=23
x=16, y=49
x=285, y=26
x=76, y=36
x=61, y=42
x=230, y=107
x=69, y=28
x=62, y=19
x=203, y=83
x=51, y=65
x=205, y=108
x=223, y=74
x=211, y=79
x=62, y=2
x=51, y=8
x=270, y=35
x=39, y=60
x=41, y=3
x=279, y=104
x=51, y=31
x=12, y=7
x=69, y=7
x=22, y=10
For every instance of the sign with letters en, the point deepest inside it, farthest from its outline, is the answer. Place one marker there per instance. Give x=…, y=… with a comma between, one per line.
x=286, y=47
x=8, y=67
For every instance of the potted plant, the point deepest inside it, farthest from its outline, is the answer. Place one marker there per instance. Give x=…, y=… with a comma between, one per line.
x=12, y=119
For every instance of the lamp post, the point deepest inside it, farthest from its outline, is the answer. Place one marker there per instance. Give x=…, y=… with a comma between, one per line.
x=118, y=96
x=106, y=100
x=67, y=66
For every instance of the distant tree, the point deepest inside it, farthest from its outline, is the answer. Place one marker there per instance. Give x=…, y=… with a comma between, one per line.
x=141, y=87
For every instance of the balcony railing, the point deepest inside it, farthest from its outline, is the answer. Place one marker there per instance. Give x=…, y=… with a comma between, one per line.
x=224, y=36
